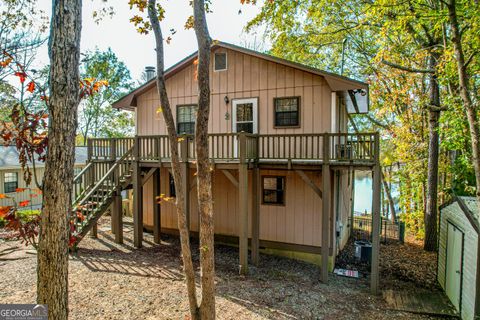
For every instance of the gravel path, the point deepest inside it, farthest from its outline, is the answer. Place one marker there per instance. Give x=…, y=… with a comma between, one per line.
x=110, y=281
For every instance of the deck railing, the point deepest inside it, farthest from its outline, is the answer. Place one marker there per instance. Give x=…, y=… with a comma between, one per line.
x=231, y=147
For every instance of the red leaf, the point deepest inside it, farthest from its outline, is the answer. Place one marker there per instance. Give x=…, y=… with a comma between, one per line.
x=22, y=75
x=20, y=189
x=31, y=86
x=24, y=203
x=4, y=211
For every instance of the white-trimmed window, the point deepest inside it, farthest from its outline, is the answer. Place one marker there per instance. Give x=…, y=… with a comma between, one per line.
x=10, y=182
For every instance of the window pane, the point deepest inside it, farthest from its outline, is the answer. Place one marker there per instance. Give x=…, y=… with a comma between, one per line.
x=10, y=182
x=273, y=190
x=186, y=119
x=286, y=112
x=244, y=112
x=270, y=183
x=269, y=196
x=245, y=127
x=220, y=61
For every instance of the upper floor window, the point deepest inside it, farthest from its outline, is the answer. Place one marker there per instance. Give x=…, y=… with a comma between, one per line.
x=273, y=189
x=287, y=112
x=10, y=183
x=186, y=119
x=220, y=61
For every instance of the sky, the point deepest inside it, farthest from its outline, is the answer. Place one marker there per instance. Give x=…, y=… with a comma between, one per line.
x=137, y=51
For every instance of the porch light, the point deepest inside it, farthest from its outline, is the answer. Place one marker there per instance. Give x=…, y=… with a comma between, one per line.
x=226, y=100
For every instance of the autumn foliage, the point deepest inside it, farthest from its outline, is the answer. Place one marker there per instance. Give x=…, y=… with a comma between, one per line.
x=27, y=131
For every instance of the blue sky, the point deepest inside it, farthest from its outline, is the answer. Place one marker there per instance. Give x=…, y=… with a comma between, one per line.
x=137, y=51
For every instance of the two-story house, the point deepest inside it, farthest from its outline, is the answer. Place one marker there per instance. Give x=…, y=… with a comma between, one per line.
x=283, y=162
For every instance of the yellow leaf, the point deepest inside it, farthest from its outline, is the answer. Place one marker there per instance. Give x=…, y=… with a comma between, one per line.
x=180, y=139
x=159, y=110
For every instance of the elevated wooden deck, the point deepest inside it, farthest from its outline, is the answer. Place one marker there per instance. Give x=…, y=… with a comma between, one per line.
x=264, y=150
x=130, y=162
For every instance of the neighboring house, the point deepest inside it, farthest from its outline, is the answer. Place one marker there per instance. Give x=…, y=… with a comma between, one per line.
x=11, y=177
x=278, y=146
x=459, y=256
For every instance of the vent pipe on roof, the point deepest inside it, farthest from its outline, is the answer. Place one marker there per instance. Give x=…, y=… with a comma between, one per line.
x=150, y=72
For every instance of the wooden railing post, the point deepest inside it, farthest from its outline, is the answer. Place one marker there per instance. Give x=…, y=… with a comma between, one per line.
x=243, y=203
x=185, y=175
x=326, y=186
x=137, y=197
x=89, y=150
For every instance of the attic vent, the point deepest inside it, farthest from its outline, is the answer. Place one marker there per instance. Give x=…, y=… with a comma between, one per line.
x=220, y=61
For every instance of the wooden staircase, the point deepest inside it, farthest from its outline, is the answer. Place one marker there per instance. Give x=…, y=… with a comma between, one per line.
x=94, y=189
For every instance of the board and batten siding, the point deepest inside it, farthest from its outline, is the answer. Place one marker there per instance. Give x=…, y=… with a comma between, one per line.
x=298, y=222
x=455, y=215
x=246, y=76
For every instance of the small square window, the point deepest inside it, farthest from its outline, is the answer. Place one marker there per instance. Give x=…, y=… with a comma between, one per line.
x=11, y=182
x=186, y=119
x=171, y=184
x=287, y=112
x=220, y=61
x=273, y=190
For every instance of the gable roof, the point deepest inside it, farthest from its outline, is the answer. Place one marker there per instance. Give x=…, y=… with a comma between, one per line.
x=469, y=207
x=335, y=81
x=9, y=157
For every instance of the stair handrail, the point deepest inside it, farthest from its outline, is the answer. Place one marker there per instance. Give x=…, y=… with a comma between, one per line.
x=82, y=172
x=107, y=174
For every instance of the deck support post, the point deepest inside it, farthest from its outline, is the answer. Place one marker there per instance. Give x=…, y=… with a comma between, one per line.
x=113, y=159
x=117, y=217
x=137, y=198
x=326, y=186
x=185, y=176
x=93, y=232
x=156, y=207
x=256, y=190
x=243, y=203
x=377, y=180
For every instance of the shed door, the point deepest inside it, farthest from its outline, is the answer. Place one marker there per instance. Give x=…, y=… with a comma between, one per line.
x=454, y=264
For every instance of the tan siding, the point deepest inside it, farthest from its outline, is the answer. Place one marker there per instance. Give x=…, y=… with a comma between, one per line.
x=246, y=76
x=299, y=221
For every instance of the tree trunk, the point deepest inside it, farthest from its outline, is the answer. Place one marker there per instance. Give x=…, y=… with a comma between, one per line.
x=463, y=80
x=204, y=181
x=391, y=204
x=430, y=243
x=52, y=257
x=175, y=159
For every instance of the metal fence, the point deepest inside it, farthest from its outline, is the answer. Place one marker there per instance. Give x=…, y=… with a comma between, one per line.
x=361, y=228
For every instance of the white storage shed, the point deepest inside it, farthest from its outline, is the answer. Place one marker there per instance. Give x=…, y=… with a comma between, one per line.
x=458, y=255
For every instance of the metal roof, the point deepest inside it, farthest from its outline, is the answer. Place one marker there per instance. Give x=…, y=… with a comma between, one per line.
x=9, y=157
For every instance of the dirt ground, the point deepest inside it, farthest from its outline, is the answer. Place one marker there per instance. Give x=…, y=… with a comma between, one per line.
x=110, y=281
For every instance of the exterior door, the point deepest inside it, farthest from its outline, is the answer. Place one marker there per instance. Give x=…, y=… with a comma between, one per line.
x=245, y=115
x=453, y=279
x=244, y=118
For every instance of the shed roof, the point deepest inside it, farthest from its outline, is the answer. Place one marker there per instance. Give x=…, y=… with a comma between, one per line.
x=335, y=81
x=9, y=157
x=469, y=207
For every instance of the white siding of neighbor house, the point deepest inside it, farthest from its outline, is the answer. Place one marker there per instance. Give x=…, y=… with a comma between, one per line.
x=455, y=215
x=31, y=192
